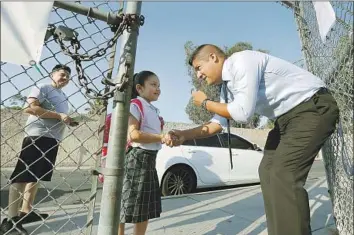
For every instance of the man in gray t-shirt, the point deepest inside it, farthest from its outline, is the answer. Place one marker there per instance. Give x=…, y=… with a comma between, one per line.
x=53, y=99
x=47, y=106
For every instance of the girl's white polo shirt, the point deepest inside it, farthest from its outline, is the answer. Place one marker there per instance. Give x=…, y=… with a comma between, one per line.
x=151, y=123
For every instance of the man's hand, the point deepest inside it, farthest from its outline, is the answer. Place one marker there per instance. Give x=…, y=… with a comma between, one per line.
x=65, y=118
x=73, y=123
x=68, y=120
x=198, y=97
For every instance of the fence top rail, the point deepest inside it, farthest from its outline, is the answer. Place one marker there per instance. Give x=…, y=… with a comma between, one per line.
x=108, y=17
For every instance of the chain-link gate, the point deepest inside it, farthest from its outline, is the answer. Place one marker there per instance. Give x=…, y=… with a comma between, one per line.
x=332, y=61
x=88, y=46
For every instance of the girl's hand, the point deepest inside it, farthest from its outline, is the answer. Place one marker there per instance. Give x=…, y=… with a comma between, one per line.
x=166, y=138
x=170, y=139
x=65, y=118
x=163, y=139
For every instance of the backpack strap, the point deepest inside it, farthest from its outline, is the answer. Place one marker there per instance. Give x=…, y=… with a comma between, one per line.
x=139, y=105
x=107, y=126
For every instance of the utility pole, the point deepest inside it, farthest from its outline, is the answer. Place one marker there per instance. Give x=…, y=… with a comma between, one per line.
x=114, y=171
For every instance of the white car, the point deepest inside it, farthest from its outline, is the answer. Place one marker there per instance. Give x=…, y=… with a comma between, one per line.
x=204, y=163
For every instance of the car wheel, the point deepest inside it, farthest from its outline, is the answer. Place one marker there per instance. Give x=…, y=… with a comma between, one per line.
x=178, y=180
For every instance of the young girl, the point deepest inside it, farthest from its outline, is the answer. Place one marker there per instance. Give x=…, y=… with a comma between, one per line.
x=141, y=196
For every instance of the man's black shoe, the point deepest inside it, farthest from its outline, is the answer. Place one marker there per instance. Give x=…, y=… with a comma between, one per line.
x=12, y=227
x=31, y=217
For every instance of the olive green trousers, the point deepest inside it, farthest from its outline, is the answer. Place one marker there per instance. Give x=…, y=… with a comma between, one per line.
x=290, y=151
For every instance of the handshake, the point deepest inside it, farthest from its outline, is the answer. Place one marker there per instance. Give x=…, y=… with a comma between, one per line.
x=173, y=138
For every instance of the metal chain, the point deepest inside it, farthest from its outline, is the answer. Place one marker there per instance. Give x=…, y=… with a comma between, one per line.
x=128, y=21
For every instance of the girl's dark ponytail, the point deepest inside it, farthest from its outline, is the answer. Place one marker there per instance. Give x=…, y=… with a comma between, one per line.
x=135, y=82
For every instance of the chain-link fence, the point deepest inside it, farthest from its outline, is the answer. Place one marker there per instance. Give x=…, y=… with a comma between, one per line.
x=72, y=191
x=332, y=60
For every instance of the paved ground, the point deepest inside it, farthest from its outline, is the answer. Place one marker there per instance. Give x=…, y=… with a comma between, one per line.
x=214, y=212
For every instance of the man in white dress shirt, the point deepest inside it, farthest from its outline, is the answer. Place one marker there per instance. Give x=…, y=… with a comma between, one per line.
x=305, y=115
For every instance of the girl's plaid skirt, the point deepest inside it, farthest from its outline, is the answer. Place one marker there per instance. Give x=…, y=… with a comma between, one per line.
x=141, y=195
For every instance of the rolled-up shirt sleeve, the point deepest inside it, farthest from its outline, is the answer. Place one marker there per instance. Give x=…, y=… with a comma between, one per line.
x=219, y=120
x=246, y=75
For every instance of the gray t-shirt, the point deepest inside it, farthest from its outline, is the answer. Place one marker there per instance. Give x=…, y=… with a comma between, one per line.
x=52, y=99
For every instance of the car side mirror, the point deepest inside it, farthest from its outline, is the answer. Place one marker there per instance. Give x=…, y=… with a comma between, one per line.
x=256, y=147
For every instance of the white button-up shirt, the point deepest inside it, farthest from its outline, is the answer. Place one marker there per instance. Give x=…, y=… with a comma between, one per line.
x=264, y=84
x=151, y=123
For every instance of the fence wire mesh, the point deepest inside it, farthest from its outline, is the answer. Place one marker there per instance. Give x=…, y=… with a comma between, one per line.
x=332, y=60
x=70, y=196
x=80, y=147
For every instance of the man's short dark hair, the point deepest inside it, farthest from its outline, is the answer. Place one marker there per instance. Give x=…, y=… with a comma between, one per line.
x=61, y=66
x=199, y=49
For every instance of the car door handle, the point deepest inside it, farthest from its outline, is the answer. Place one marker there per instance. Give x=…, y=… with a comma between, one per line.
x=191, y=151
x=234, y=154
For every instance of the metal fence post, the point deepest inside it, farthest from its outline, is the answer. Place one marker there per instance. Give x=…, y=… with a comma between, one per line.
x=112, y=187
x=103, y=115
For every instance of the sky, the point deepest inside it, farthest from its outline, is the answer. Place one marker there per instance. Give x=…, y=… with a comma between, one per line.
x=168, y=26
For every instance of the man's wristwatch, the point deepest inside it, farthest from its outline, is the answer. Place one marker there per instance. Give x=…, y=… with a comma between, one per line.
x=204, y=103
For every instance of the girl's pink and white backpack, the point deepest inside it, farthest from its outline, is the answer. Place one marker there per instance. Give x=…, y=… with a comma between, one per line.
x=138, y=103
